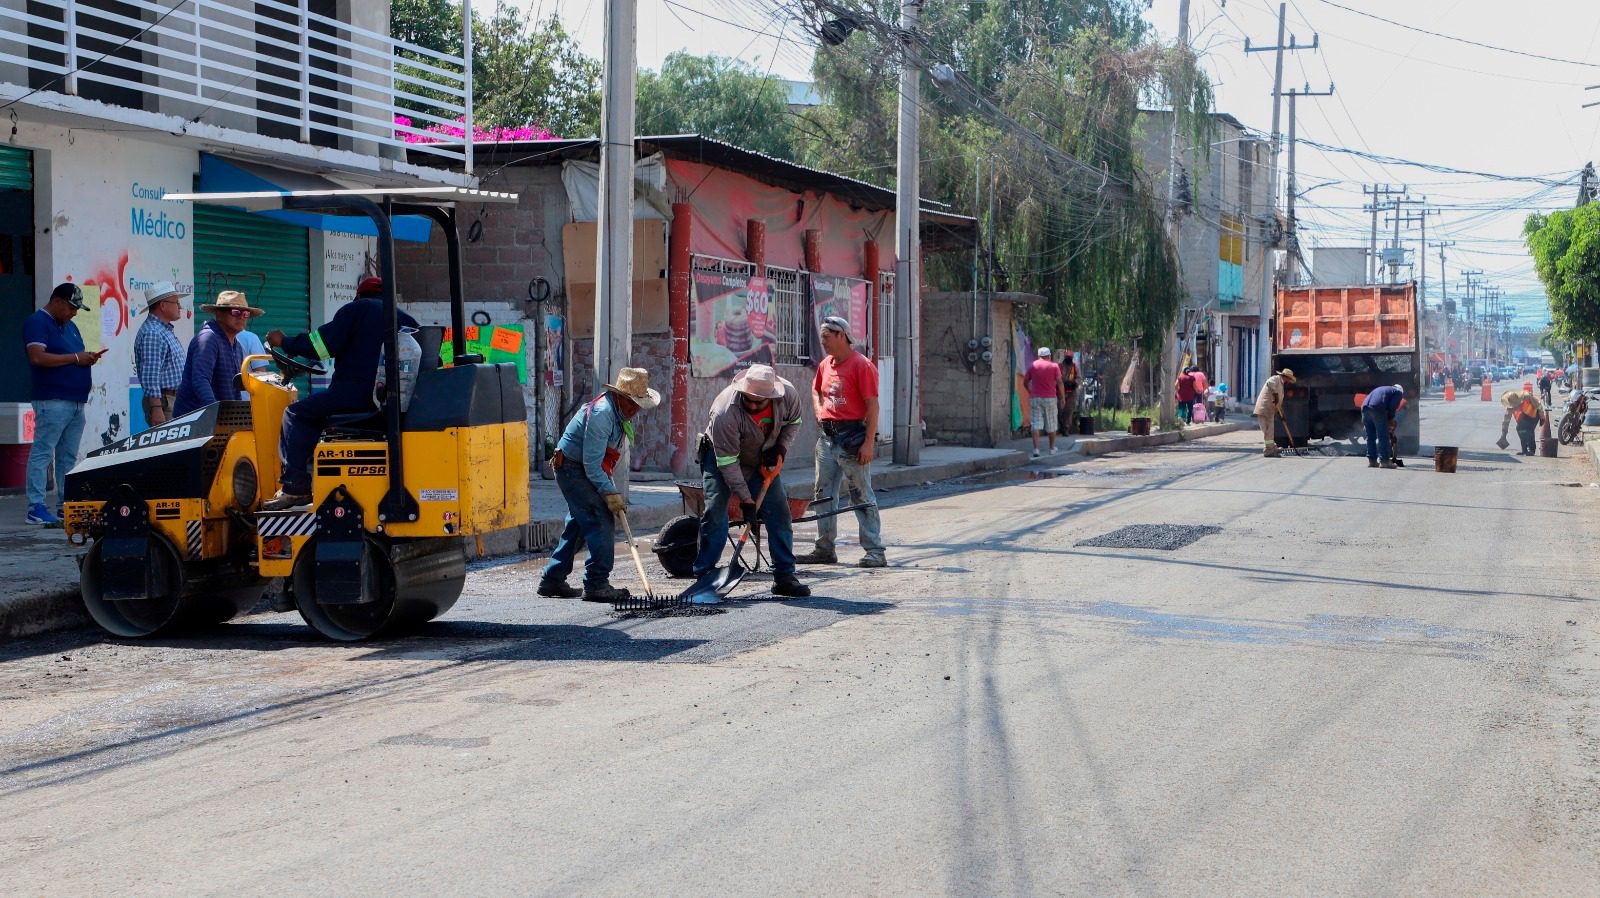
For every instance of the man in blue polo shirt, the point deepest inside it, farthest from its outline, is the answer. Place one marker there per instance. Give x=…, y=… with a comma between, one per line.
x=1378, y=416
x=61, y=381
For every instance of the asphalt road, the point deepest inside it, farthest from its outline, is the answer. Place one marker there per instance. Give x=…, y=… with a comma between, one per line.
x=1363, y=682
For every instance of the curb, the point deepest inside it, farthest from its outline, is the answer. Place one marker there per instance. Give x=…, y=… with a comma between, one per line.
x=1103, y=445
x=41, y=613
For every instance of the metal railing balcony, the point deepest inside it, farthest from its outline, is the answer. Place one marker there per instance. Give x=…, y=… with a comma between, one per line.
x=281, y=69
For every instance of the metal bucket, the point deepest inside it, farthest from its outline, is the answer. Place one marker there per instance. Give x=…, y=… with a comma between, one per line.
x=1444, y=459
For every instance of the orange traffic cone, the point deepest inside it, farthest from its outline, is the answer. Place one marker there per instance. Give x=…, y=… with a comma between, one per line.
x=1487, y=386
x=1449, y=391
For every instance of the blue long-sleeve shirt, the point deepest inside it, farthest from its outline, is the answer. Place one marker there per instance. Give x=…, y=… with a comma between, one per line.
x=208, y=371
x=353, y=339
x=1386, y=398
x=596, y=427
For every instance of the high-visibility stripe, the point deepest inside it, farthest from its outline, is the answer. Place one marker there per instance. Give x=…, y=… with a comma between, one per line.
x=727, y=460
x=319, y=346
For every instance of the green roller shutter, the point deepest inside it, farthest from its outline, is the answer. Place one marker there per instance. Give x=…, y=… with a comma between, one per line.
x=16, y=168
x=266, y=260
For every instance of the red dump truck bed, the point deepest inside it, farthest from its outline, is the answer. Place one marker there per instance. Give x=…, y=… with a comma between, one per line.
x=1365, y=318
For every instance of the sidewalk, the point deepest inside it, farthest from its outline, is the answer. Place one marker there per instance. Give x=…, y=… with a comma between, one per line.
x=41, y=570
x=1121, y=440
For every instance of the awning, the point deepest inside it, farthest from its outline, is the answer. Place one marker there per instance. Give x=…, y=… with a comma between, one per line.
x=219, y=175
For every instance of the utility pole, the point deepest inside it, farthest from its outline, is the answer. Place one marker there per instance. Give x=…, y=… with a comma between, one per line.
x=1472, y=284
x=1379, y=193
x=1264, y=330
x=613, y=305
x=1586, y=182
x=1296, y=260
x=1169, y=355
x=1444, y=300
x=907, y=246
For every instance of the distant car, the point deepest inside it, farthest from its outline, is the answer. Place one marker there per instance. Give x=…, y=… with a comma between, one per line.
x=1530, y=369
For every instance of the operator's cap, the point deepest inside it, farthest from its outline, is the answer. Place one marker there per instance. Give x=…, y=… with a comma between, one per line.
x=70, y=293
x=370, y=286
x=1044, y=352
x=837, y=325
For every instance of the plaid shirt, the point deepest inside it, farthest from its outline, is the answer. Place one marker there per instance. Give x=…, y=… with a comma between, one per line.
x=157, y=356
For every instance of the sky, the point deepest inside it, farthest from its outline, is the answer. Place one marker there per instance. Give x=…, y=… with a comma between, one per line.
x=1398, y=92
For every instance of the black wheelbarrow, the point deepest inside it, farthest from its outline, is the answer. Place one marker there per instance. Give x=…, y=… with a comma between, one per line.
x=679, y=541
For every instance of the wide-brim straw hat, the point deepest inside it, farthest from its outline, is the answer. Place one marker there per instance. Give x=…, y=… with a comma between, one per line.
x=161, y=290
x=634, y=383
x=1287, y=375
x=228, y=300
x=760, y=381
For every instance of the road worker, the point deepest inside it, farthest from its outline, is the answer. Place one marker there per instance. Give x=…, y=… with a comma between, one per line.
x=1269, y=407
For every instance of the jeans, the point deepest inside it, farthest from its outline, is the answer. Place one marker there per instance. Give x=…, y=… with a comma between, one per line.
x=1525, y=433
x=57, y=429
x=774, y=515
x=836, y=466
x=589, y=524
x=1376, y=422
x=302, y=428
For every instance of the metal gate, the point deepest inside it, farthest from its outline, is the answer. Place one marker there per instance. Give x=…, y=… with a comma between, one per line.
x=266, y=260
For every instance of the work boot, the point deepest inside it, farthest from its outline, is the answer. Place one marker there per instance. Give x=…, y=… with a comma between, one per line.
x=606, y=593
x=558, y=589
x=283, y=501
x=1269, y=452
x=789, y=585
x=817, y=556
x=872, y=561
x=1372, y=463
x=1386, y=464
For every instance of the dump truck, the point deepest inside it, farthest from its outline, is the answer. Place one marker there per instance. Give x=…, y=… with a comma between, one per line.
x=1341, y=343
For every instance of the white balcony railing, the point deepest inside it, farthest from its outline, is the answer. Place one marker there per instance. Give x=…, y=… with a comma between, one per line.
x=264, y=66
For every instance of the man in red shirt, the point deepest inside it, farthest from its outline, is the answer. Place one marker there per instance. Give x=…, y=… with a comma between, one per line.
x=1045, y=395
x=844, y=395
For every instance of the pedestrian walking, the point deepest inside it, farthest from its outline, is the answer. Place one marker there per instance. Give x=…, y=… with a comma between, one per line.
x=584, y=461
x=1379, y=414
x=1186, y=391
x=1069, y=386
x=1545, y=383
x=1525, y=409
x=215, y=356
x=1269, y=407
x=158, y=355
x=844, y=395
x=1046, y=391
x=59, y=368
x=754, y=423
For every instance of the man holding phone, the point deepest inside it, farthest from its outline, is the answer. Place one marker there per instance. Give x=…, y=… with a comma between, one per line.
x=61, y=381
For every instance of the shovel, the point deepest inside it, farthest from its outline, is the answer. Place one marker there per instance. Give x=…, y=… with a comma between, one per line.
x=725, y=579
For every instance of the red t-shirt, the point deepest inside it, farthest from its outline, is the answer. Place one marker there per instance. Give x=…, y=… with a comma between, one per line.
x=1041, y=379
x=845, y=387
x=1186, y=388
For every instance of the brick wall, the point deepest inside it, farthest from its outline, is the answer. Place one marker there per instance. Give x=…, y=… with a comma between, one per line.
x=964, y=404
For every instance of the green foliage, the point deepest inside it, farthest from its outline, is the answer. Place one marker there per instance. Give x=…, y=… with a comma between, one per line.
x=525, y=70
x=1566, y=253
x=1089, y=237
x=719, y=97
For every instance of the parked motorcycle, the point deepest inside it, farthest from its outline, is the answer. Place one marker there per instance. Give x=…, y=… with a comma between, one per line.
x=1571, y=429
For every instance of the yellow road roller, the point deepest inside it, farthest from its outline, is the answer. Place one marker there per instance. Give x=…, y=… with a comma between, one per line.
x=172, y=516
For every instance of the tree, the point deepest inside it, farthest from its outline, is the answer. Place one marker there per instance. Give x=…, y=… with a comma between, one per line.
x=1566, y=253
x=526, y=71
x=719, y=97
x=1043, y=109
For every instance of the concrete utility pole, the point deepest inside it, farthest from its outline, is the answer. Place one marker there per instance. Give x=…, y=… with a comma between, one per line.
x=1296, y=260
x=1264, y=330
x=1399, y=252
x=1586, y=182
x=613, y=295
x=1169, y=355
x=1472, y=284
x=1380, y=194
x=908, y=247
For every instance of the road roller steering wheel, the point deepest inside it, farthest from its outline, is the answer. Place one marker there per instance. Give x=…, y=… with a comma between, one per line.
x=293, y=367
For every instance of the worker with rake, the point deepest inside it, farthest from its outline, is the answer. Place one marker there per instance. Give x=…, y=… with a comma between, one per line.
x=1269, y=408
x=754, y=423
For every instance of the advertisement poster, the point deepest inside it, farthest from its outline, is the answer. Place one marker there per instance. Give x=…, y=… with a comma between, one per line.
x=498, y=343
x=730, y=323
x=838, y=297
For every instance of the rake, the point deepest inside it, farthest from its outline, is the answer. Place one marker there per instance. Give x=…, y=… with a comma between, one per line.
x=649, y=602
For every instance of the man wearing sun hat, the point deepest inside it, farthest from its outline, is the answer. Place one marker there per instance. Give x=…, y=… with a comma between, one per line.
x=754, y=423
x=1269, y=408
x=588, y=452
x=215, y=354
x=158, y=356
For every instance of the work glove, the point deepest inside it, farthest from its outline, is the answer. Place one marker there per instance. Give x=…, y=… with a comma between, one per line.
x=616, y=503
x=747, y=510
x=773, y=457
